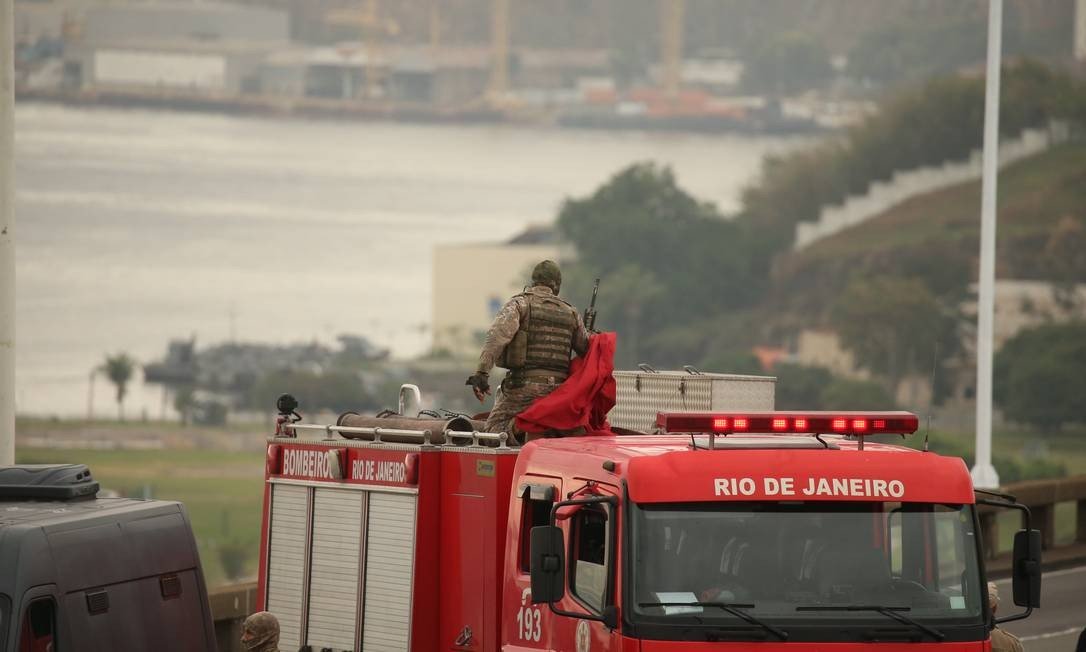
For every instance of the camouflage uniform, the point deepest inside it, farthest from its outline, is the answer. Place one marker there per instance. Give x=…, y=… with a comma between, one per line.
x=1004, y=641
x=515, y=396
x=260, y=633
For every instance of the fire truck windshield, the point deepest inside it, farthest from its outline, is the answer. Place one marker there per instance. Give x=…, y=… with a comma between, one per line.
x=820, y=571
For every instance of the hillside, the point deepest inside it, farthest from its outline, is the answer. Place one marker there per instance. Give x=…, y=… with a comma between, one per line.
x=936, y=237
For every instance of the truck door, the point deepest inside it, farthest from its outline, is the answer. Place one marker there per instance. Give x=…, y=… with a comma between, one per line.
x=526, y=626
x=591, y=561
x=591, y=534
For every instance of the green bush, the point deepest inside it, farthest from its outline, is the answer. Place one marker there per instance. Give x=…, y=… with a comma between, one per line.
x=856, y=395
x=337, y=391
x=1040, y=375
x=1010, y=469
x=800, y=387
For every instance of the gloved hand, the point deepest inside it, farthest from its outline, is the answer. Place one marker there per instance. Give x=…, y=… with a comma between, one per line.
x=480, y=385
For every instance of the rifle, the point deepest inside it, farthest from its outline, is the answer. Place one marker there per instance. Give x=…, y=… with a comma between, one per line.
x=590, y=311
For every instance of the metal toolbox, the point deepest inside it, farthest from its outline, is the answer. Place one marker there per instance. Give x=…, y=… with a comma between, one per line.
x=642, y=394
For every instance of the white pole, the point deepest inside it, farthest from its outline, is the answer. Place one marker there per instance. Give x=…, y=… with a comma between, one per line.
x=1080, y=30
x=984, y=474
x=7, y=235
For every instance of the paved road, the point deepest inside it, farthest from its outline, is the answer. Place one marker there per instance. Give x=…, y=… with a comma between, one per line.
x=1056, y=625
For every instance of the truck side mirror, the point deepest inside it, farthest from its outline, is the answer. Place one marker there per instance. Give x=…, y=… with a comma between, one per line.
x=1026, y=583
x=548, y=564
x=1026, y=571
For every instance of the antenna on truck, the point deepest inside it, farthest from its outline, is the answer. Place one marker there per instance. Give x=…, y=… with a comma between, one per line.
x=931, y=395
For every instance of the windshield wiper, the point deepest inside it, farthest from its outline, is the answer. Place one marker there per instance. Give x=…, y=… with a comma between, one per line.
x=734, y=609
x=891, y=612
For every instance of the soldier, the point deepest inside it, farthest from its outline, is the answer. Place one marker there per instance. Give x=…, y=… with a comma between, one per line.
x=260, y=633
x=1002, y=640
x=533, y=337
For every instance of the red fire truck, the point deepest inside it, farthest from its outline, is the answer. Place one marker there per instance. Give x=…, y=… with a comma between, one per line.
x=718, y=531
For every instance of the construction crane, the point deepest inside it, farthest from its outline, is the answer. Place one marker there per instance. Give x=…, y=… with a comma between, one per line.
x=672, y=17
x=435, y=27
x=372, y=27
x=499, y=37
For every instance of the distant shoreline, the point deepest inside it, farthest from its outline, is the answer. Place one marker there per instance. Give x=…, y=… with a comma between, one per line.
x=327, y=109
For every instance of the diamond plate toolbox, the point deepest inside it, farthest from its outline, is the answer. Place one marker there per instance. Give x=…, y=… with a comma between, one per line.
x=641, y=394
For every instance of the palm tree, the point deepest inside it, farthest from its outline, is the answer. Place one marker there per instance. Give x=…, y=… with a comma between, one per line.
x=118, y=368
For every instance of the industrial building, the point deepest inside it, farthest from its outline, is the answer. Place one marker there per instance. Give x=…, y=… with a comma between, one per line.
x=352, y=71
x=209, y=48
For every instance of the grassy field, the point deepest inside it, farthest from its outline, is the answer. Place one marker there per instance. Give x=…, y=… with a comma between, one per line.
x=1032, y=453
x=221, y=490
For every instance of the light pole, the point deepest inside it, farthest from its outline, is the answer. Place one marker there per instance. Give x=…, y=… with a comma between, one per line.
x=7, y=235
x=984, y=474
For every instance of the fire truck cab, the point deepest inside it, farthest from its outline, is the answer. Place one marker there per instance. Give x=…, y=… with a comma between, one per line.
x=718, y=531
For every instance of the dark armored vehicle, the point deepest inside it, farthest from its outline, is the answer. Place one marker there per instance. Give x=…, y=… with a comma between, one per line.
x=79, y=572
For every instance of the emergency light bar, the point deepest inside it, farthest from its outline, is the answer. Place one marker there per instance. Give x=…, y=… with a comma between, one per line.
x=848, y=423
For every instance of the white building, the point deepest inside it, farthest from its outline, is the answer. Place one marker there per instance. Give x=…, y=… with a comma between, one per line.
x=1020, y=305
x=209, y=47
x=472, y=282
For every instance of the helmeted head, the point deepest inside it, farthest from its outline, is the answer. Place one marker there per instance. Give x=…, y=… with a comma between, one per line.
x=547, y=273
x=260, y=632
x=993, y=596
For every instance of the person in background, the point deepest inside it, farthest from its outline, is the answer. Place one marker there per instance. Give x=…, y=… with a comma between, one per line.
x=260, y=633
x=1002, y=640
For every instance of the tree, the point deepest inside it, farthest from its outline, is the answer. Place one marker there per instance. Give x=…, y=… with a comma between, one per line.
x=1065, y=260
x=843, y=394
x=338, y=391
x=119, y=368
x=1040, y=375
x=665, y=258
x=631, y=290
x=184, y=401
x=893, y=325
x=800, y=387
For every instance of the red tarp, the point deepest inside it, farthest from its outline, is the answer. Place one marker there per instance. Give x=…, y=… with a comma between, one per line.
x=584, y=399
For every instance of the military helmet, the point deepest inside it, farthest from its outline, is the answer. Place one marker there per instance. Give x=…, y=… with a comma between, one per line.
x=547, y=273
x=260, y=632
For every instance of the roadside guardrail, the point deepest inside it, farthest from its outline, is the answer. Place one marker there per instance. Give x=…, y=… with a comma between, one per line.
x=230, y=606
x=1042, y=497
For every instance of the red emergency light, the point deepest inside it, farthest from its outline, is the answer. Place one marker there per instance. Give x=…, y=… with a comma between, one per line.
x=850, y=423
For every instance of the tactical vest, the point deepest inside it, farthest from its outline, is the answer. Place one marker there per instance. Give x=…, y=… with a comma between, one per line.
x=550, y=326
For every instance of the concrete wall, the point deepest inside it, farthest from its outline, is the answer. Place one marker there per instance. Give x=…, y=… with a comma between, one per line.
x=883, y=195
x=472, y=282
x=135, y=68
x=823, y=349
x=1020, y=305
x=174, y=70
